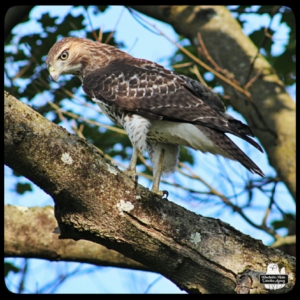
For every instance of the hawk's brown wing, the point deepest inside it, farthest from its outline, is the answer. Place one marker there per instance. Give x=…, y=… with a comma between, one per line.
x=147, y=89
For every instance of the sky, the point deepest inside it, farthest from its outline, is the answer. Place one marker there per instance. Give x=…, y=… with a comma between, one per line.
x=142, y=43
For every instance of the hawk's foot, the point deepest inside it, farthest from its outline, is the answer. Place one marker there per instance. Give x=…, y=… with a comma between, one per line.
x=133, y=176
x=161, y=193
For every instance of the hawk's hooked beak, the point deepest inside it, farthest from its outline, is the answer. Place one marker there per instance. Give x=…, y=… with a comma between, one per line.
x=53, y=73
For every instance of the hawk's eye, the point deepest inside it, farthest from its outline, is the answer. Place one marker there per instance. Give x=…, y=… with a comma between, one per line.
x=64, y=55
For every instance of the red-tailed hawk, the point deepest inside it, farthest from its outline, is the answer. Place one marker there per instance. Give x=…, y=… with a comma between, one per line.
x=159, y=109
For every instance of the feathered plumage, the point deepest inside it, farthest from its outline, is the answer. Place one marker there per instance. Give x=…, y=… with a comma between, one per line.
x=159, y=109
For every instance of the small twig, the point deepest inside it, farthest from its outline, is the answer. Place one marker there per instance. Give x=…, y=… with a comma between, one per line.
x=283, y=213
x=91, y=24
x=75, y=116
x=51, y=286
x=140, y=20
x=74, y=26
x=78, y=131
x=132, y=46
x=274, y=9
x=210, y=59
x=152, y=283
x=268, y=210
x=223, y=173
x=23, y=70
x=114, y=30
x=187, y=64
x=253, y=79
x=100, y=35
x=195, y=71
x=59, y=111
x=141, y=157
x=22, y=281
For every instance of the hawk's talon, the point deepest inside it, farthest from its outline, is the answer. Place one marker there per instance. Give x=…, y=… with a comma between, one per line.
x=161, y=193
x=165, y=193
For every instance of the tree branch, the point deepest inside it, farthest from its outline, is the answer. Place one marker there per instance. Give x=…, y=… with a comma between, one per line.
x=269, y=111
x=95, y=201
x=39, y=240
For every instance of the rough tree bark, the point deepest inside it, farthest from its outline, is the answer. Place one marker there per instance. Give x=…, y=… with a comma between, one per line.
x=34, y=228
x=270, y=111
x=95, y=201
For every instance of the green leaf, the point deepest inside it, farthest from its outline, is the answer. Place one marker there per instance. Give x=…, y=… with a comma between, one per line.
x=17, y=174
x=286, y=67
x=262, y=41
x=47, y=21
x=288, y=17
x=186, y=156
x=22, y=188
x=284, y=223
x=102, y=8
x=10, y=267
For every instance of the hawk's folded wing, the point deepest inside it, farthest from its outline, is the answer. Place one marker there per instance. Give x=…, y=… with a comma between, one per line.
x=147, y=89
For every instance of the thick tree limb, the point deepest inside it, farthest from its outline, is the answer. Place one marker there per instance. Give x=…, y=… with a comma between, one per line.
x=95, y=201
x=270, y=111
x=29, y=233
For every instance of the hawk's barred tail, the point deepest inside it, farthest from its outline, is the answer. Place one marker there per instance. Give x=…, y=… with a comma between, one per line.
x=250, y=141
x=233, y=151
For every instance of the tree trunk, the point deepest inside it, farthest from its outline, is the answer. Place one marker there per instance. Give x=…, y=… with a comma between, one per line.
x=97, y=202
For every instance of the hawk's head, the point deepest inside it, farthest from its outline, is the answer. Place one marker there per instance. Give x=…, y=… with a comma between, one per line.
x=79, y=56
x=65, y=57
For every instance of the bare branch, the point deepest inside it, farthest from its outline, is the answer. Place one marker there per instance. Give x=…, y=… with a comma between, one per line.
x=286, y=240
x=39, y=241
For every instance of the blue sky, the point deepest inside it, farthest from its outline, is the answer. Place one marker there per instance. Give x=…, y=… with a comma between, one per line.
x=142, y=43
